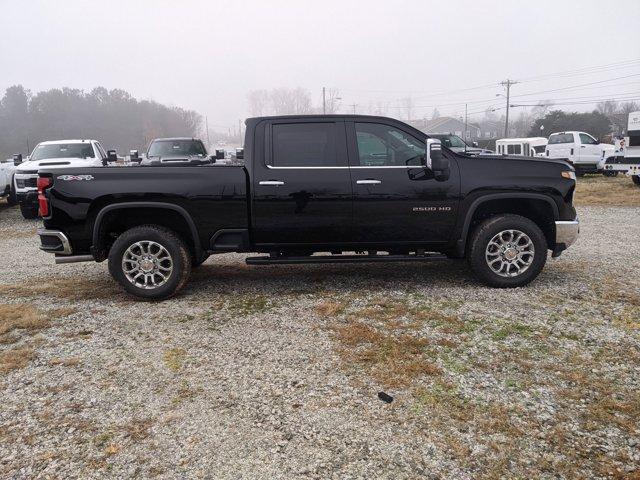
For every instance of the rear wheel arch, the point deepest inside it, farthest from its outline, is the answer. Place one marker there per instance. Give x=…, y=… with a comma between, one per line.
x=119, y=217
x=539, y=208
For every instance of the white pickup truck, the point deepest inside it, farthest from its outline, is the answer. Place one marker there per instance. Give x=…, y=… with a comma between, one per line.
x=54, y=154
x=585, y=153
x=7, y=168
x=627, y=159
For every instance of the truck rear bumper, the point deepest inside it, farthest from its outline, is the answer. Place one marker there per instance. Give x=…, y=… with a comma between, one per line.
x=56, y=242
x=566, y=234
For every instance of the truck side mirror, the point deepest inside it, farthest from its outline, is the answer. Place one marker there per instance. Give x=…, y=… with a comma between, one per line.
x=219, y=154
x=134, y=156
x=112, y=156
x=240, y=153
x=474, y=144
x=17, y=159
x=436, y=161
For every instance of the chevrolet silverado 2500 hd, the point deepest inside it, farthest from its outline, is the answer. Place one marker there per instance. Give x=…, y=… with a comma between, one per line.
x=312, y=184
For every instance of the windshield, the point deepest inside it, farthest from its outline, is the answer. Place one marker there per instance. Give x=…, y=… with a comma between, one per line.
x=451, y=141
x=62, y=150
x=171, y=148
x=561, y=138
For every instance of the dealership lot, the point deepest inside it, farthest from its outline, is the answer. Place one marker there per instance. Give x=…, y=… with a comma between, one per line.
x=272, y=372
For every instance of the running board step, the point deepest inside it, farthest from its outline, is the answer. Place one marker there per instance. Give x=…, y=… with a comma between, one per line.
x=345, y=259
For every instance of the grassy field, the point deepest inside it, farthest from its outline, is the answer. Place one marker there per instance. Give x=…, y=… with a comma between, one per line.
x=607, y=191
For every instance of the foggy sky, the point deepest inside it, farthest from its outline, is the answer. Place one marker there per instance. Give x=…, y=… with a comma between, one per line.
x=206, y=56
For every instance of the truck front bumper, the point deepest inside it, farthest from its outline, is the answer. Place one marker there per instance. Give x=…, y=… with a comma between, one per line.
x=566, y=234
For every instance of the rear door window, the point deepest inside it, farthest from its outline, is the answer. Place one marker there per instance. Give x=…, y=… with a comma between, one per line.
x=304, y=145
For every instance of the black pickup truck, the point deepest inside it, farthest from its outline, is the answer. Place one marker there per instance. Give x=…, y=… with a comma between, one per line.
x=331, y=188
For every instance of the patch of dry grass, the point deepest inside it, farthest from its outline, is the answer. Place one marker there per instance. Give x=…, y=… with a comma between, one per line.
x=21, y=316
x=174, y=358
x=65, y=362
x=19, y=234
x=72, y=288
x=607, y=191
x=394, y=359
x=15, y=359
x=330, y=308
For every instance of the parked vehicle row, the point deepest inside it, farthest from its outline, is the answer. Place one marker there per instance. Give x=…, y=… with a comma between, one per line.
x=312, y=190
x=21, y=175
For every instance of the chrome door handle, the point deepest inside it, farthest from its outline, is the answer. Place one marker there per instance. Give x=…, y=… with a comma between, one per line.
x=276, y=183
x=368, y=182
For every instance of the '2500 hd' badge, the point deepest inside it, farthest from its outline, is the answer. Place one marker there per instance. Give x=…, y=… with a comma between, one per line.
x=71, y=178
x=432, y=209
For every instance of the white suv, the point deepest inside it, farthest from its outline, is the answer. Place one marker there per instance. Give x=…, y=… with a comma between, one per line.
x=53, y=154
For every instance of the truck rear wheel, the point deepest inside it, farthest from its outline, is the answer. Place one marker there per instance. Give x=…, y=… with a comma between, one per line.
x=29, y=210
x=636, y=179
x=507, y=251
x=150, y=262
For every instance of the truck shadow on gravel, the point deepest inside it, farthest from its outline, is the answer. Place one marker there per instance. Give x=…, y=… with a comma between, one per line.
x=330, y=278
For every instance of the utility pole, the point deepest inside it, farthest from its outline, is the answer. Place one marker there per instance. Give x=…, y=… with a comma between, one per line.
x=206, y=123
x=240, y=130
x=465, y=127
x=507, y=84
x=354, y=105
x=324, y=101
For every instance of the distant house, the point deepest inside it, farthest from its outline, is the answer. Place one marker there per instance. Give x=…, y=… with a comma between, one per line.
x=490, y=130
x=449, y=125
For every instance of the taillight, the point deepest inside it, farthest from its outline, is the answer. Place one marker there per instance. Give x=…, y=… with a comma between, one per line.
x=43, y=201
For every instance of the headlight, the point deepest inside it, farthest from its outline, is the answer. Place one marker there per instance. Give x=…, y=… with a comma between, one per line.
x=569, y=174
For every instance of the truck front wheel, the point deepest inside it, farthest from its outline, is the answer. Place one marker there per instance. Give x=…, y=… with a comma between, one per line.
x=507, y=251
x=150, y=262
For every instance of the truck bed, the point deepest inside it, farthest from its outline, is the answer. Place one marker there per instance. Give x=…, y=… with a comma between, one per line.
x=214, y=197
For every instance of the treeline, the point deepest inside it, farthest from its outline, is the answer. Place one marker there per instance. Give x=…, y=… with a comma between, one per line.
x=595, y=123
x=112, y=116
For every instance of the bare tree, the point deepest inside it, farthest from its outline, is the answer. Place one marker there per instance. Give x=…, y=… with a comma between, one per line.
x=628, y=107
x=541, y=109
x=332, y=100
x=286, y=101
x=608, y=107
x=258, y=102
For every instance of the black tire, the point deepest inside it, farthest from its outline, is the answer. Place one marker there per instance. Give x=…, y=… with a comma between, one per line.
x=636, y=179
x=488, y=230
x=29, y=210
x=177, y=250
x=12, y=198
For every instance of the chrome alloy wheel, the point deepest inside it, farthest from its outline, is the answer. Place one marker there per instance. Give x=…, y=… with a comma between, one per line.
x=147, y=264
x=510, y=253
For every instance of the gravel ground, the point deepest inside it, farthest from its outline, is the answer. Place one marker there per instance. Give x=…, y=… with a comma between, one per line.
x=274, y=372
